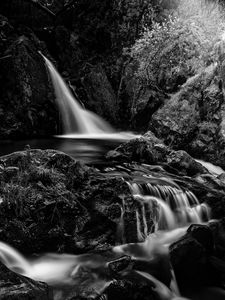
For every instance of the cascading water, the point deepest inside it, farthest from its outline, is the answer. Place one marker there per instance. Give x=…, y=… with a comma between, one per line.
x=177, y=207
x=75, y=118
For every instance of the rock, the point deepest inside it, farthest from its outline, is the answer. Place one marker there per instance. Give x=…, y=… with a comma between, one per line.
x=192, y=119
x=101, y=97
x=120, y=264
x=190, y=258
x=17, y=287
x=183, y=162
x=137, y=102
x=50, y=202
x=26, y=91
x=129, y=289
x=143, y=149
x=203, y=235
x=151, y=150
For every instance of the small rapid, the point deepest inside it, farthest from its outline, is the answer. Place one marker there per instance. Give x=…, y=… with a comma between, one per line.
x=175, y=209
x=178, y=208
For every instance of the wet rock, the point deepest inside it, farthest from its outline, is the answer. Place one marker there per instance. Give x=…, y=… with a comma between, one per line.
x=17, y=287
x=143, y=150
x=119, y=264
x=182, y=161
x=151, y=150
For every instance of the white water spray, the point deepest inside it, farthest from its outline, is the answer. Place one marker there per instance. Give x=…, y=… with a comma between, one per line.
x=75, y=118
x=178, y=208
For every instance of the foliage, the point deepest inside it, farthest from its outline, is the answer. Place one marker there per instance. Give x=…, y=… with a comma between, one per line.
x=180, y=46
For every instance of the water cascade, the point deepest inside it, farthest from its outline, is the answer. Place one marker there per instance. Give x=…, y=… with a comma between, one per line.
x=92, y=269
x=75, y=118
x=177, y=207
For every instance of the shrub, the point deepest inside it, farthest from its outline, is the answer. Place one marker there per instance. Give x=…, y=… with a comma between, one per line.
x=181, y=45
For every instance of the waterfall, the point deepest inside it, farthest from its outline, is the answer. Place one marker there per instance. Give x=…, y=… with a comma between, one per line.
x=178, y=208
x=75, y=119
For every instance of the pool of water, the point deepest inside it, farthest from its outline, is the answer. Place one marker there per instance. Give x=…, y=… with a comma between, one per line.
x=86, y=149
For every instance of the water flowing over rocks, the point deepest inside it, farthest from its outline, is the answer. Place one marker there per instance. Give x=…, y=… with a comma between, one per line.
x=177, y=165
x=16, y=287
x=50, y=202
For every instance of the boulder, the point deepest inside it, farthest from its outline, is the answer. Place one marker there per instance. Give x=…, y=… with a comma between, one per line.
x=151, y=150
x=101, y=97
x=51, y=202
x=191, y=259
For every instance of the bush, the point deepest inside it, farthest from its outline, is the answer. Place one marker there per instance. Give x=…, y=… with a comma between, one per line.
x=180, y=46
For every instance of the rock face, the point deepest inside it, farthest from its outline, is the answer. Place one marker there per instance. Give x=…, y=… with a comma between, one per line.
x=192, y=119
x=27, y=105
x=18, y=287
x=101, y=97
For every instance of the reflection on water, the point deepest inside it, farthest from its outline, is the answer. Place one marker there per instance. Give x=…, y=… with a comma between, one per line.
x=81, y=147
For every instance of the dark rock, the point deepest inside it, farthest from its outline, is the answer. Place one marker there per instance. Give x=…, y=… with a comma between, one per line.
x=50, y=202
x=190, y=258
x=27, y=105
x=101, y=97
x=127, y=290
x=143, y=149
x=17, y=287
x=151, y=150
x=29, y=13
x=137, y=102
x=203, y=235
x=120, y=264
